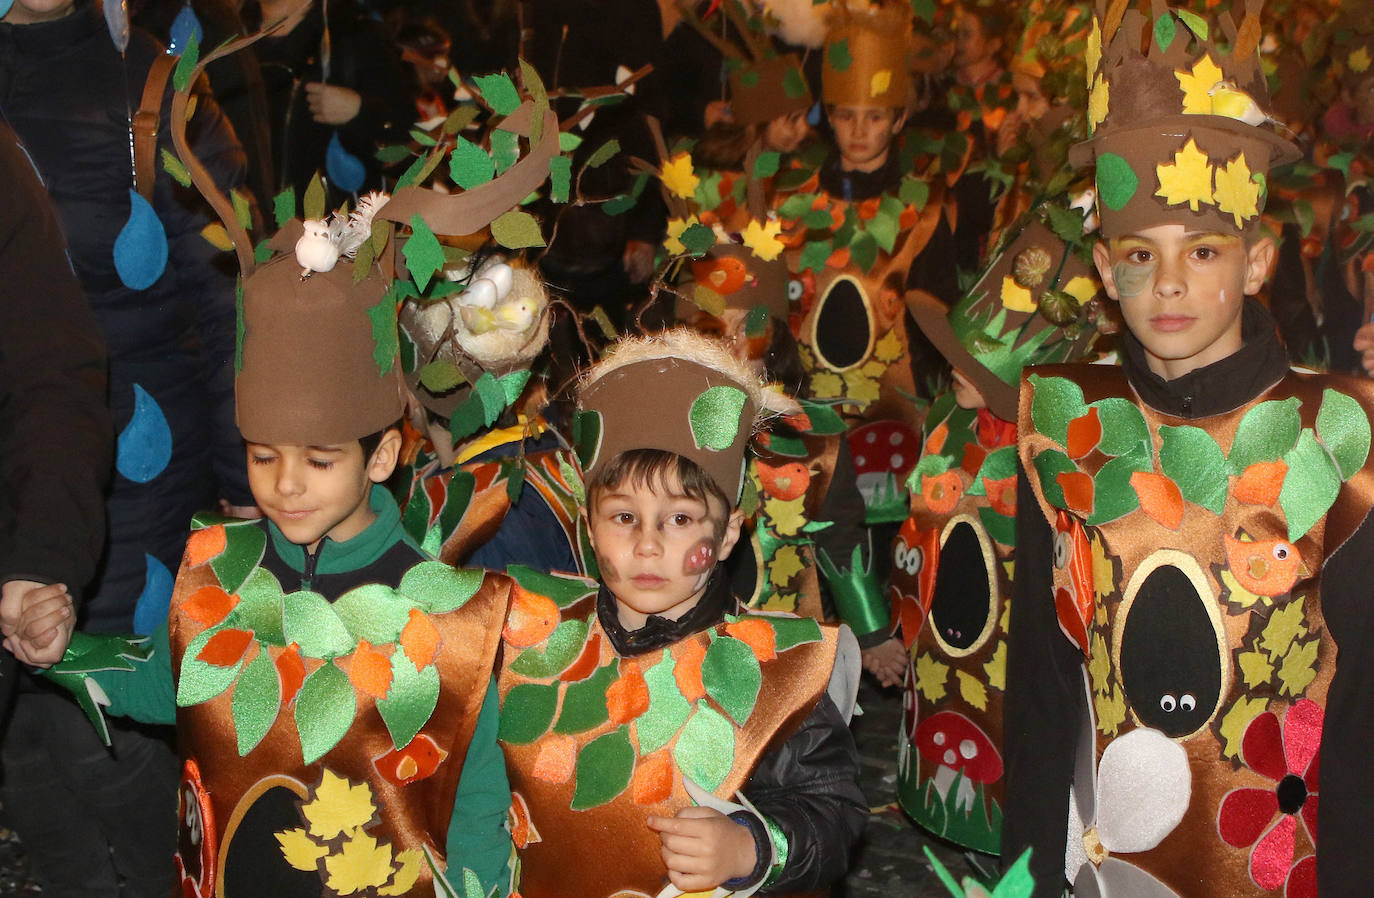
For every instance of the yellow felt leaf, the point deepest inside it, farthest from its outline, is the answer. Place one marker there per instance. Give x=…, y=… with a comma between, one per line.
x=1098, y=100
x=1100, y=665
x=787, y=518
x=930, y=678
x=338, y=807
x=889, y=349
x=1016, y=297
x=996, y=668
x=1092, y=55
x=679, y=177
x=827, y=385
x=763, y=238
x=1239, y=595
x=971, y=690
x=300, y=851
x=780, y=601
x=215, y=234
x=880, y=82
x=360, y=864
x=1359, y=60
x=1111, y=712
x=406, y=874
x=859, y=387
x=1284, y=627
x=1255, y=668
x=1104, y=584
x=1237, y=193
x=1299, y=668
x=1010, y=567
x=1005, y=620
x=1081, y=288
x=1197, y=83
x=676, y=226
x=785, y=565
x=873, y=368
x=1188, y=179
x=1236, y=721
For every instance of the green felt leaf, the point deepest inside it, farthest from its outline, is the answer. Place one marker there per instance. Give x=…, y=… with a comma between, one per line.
x=1311, y=485
x=410, y=701
x=705, y=751
x=469, y=165
x=587, y=435
x=513, y=384
x=1164, y=31
x=284, y=206
x=325, y=709
x=923, y=10
x=199, y=682
x=1343, y=428
x=527, y=712
x=385, y=340
x=422, y=138
x=697, y=239
x=564, y=591
x=243, y=550
x=766, y=165
x=1067, y=224
x=309, y=620
x=174, y=167
x=437, y=587
x=373, y=612
x=796, y=205
x=1048, y=466
x=883, y=229
x=1268, y=432
x=492, y=396
x=1113, y=495
x=516, y=229
x=261, y=253
x=603, y=154
x=756, y=322
x=190, y=57
x=505, y=149
x=998, y=465
x=824, y=419
x=416, y=513
x=1192, y=459
x=814, y=254
x=1055, y=401
x=561, y=649
x=838, y=56
x=816, y=219
x=392, y=154
x=567, y=141
x=1196, y=23
x=1002, y=528
x=604, y=767
x=793, y=84
x=560, y=178
x=499, y=92
x=1124, y=430
x=732, y=677
x=668, y=708
x=715, y=417
x=460, y=118
x=257, y=699
x=260, y=607
x=1116, y=181
x=584, y=702
x=790, y=632
x=424, y=255
x=513, y=472
x=314, y=197
x=914, y=192
x=440, y=376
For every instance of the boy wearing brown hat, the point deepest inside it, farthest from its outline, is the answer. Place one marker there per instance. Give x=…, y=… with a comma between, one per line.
x=1192, y=527
x=657, y=699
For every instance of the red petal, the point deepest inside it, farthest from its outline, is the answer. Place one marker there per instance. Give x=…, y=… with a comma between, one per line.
x=1302, y=879
x=1271, y=858
x=1309, y=816
x=1312, y=778
x=1244, y=814
x=1262, y=747
x=1302, y=734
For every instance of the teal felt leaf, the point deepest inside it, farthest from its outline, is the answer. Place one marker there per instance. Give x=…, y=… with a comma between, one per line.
x=198, y=681
x=257, y=699
x=1343, y=428
x=668, y=708
x=325, y=708
x=174, y=167
x=1048, y=466
x=498, y=91
x=527, y=712
x=790, y=632
x=469, y=165
x=424, y=255
x=705, y=750
x=1311, y=485
x=1266, y=433
x=190, y=57
x=564, y=591
x=584, y=702
x=603, y=154
x=1055, y=401
x=284, y=206
x=839, y=57
x=1124, y=431
x=436, y=587
x=1113, y=495
x=310, y=622
x=314, y=197
x=1192, y=459
x=604, y=767
x=260, y=607
x=766, y=165
x=517, y=229
x=410, y=701
x=244, y=545
x=715, y=417
x=373, y=612
x=560, y=178
x=730, y=672
x=385, y=340
x=561, y=648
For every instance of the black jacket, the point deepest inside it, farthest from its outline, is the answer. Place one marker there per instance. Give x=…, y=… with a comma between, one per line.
x=65, y=90
x=1045, y=698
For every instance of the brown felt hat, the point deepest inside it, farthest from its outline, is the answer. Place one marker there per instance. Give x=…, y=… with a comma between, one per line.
x=866, y=57
x=770, y=88
x=741, y=279
x=1180, y=131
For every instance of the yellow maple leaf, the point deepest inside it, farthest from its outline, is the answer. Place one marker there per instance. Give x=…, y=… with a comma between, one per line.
x=785, y=564
x=360, y=864
x=1016, y=297
x=971, y=690
x=859, y=387
x=873, y=368
x=1299, y=668
x=338, y=807
x=1111, y=712
x=1237, y=193
x=1255, y=668
x=889, y=348
x=1098, y=101
x=676, y=227
x=406, y=874
x=827, y=385
x=1100, y=665
x=930, y=677
x=763, y=238
x=679, y=177
x=787, y=518
x=880, y=82
x=1238, y=595
x=1197, y=83
x=1092, y=55
x=1359, y=60
x=300, y=851
x=780, y=601
x=996, y=668
x=1104, y=584
x=1081, y=288
x=1188, y=179
x=1236, y=721
x=1284, y=627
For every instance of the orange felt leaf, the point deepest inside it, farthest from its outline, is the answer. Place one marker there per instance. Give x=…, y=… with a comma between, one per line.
x=1084, y=434
x=628, y=696
x=869, y=208
x=1002, y=495
x=436, y=489
x=208, y=605
x=532, y=618
x=964, y=119
x=586, y=662
x=1367, y=263
x=973, y=459
x=907, y=220
x=1260, y=483
x=416, y=761
x=942, y=493
x=993, y=118
x=420, y=639
x=936, y=441
x=1078, y=490
x=800, y=421
x=839, y=258
x=653, y=779
x=226, y=647
x=556, y=757
x=521, y=828
x=785, y=482
x=202, y=545
x=291, y=671
x=370, y=672
x=758, y=635
x=687, y=671
x=1160, y=498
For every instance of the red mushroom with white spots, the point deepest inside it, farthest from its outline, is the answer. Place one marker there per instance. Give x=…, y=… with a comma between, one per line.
x=957, y=745
x=880, y=449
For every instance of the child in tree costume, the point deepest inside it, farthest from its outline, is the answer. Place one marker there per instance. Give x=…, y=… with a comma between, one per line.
x=1192, y=533
x=625, y=706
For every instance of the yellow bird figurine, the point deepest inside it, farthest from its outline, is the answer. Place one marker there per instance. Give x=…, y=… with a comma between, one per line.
x=1232, y=102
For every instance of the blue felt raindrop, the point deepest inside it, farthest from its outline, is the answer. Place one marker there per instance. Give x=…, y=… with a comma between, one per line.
x=156, y=597
x=5, y=7
x=140, y=250
x=184, y=27
x=344, y=169
x=145, y=445
x=117, y=20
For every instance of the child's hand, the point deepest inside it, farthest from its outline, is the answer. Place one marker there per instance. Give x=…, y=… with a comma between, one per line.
x=38, y=620
x=1364, y=344
x=886, y=661
x=331, y=104
x=703, y=848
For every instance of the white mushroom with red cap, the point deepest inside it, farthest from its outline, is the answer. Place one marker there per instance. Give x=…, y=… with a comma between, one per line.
x=882, y=449
x=957, y=746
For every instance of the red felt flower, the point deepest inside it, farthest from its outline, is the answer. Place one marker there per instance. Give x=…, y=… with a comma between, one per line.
x=1288, y=755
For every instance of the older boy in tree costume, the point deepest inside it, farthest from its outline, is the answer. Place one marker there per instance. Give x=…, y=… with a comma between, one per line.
x=624, y=707
x=1192, y=538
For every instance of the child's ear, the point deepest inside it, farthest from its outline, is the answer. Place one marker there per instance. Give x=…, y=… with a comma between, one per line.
x=899, y=121
x=1102, y=258
x=731, y=536
x=385, y=456
x=1259, y=259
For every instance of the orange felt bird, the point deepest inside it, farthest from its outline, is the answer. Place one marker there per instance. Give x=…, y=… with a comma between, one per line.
x=724, y=275
x=1267, y=568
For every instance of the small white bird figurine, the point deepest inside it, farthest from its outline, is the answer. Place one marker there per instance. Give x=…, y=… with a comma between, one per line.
x=316, y=249
x=323, y=242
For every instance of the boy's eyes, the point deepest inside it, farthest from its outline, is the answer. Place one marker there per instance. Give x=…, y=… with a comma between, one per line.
x=1139, y=256
x=320, y=464
x=681, y=519
x=1204, y=253
x=262, y=459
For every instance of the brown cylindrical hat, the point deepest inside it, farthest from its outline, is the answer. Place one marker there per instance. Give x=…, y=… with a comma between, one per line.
x=677, y=391
x=767, y=89
x=312, y=372
x=866, y=57
x=740, y=278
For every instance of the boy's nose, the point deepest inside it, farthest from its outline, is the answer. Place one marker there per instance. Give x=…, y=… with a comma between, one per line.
x=1170, y=279
x=648, y=542
x=289, y=481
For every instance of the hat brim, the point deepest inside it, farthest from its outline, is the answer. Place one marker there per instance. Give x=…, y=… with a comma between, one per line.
x=1282, y=151
x=932, y=317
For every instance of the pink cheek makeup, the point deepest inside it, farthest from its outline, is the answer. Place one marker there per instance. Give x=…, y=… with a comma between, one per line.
x=700, y=558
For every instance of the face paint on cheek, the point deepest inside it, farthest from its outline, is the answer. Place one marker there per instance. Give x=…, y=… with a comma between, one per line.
x=700, y=559
x=1131, y=279
x=606, y=567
